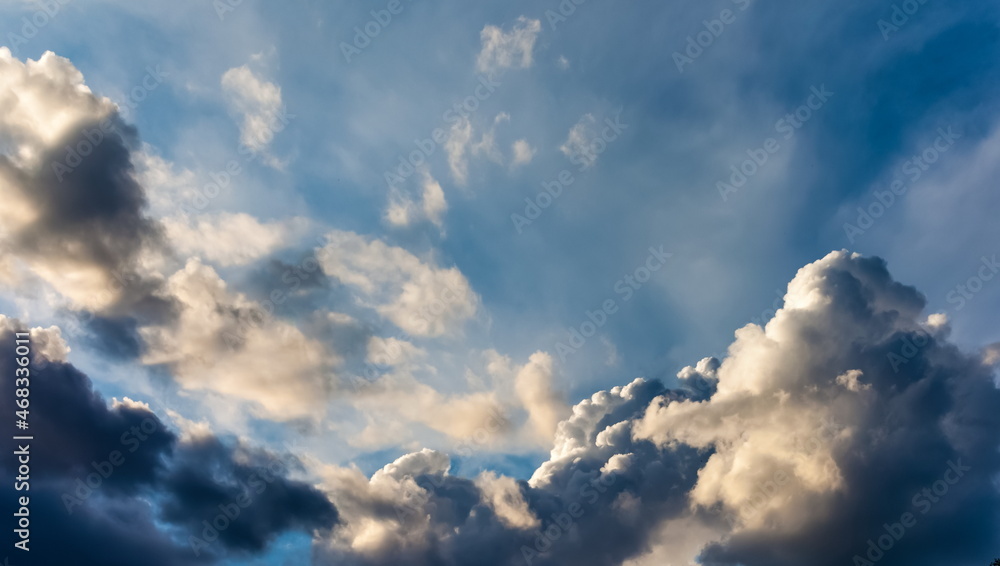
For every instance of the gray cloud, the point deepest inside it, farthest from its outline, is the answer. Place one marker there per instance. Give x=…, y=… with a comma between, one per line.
x=141, y=506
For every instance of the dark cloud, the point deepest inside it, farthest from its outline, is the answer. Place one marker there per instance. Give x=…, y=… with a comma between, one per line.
x=210, y=478
x=89, y=212
x=117, y=337
x=115, y=485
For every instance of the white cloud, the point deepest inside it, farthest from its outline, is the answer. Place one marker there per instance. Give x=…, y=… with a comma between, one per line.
x=418, y=297
x=403, y=211
x=47, y=342
x=43, y=101
x=257, y=101
x=523, y=153
x=487, y=145
x=577, y=144
x=229, y=238
x=460, y=145
x=396, y=401
x=504, y=496
x=534, y=387
x=780, y=409
x=501, y=51
x=456, y=147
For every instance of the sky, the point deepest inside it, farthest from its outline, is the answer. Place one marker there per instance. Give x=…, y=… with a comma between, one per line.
x=497, y=283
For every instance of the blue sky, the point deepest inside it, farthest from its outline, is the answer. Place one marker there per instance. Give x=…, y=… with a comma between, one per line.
x=872, y=97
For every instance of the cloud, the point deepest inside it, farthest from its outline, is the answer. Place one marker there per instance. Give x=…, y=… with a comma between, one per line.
x=224, y=342
x=501, y=51
x=418, y=297
x=487, y=145
x=74, y=215
x=456, y=146
x=141, y=506
x=257, y=102
x=413, y=511
x=461, y=144
x=535, y=390
x=523, y=153
x=797, y=448
x=577, y=144
x=229, y=238
x=812, y=402
x=506, y=497
x=403, y=211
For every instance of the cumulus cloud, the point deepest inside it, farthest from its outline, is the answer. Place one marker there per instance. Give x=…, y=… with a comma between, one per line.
x=419, y=297
x=585, y=511
x=74, y=215
x=257, y=102
x=817, y=440
x=514, y=49
x=144, y=505
x=796, y=448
